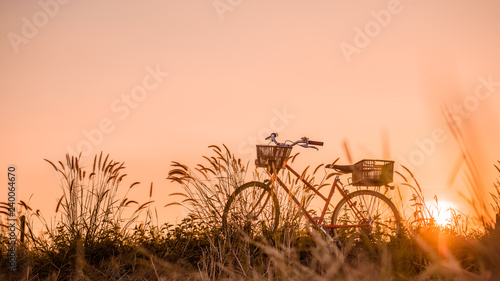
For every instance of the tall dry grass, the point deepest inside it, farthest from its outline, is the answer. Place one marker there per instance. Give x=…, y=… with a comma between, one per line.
x=208, y=185
x=90, y=206
x=117, y=247
x=92, y=222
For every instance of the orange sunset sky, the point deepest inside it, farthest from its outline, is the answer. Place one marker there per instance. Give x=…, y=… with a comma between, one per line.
x=155, y=81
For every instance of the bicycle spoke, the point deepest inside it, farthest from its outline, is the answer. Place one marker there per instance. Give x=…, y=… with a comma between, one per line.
x=253, y=208
x=378, y=214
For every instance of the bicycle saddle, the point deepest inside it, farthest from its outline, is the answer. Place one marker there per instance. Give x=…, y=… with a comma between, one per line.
x=346, y=169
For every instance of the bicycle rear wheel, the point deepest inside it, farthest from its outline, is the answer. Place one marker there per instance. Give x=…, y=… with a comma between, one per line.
x=374, y=208
x=253, y=208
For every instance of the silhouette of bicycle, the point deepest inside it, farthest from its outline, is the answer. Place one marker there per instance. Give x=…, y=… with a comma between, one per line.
x=254, y=207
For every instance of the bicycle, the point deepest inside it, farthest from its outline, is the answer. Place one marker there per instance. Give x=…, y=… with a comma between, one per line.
x=254, y=207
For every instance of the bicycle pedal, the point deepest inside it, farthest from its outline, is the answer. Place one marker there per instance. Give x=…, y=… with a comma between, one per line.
x=326, y=233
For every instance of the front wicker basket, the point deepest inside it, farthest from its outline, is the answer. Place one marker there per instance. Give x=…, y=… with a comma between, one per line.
x=272, y=156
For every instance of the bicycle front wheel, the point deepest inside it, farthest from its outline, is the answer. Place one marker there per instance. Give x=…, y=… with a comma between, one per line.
x=370, y=208
x=252, y=208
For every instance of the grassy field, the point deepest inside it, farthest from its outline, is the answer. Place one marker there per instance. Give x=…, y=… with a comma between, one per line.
x=99, y=235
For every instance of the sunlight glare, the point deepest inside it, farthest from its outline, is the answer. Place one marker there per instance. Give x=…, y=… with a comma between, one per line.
x=442, y=211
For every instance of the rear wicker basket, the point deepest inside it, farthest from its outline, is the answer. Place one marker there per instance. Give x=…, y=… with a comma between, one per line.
x=272, y=156
x=371, y=172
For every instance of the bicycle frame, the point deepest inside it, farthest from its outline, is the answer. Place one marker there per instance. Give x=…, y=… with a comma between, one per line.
x=335, y=185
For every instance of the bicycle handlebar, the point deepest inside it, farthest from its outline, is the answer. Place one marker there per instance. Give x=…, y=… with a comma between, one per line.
x=318, y=143
x=306, y=142
x=273, y=137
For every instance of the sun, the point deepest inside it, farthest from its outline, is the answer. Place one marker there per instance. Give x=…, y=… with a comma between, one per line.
x=442, y=211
